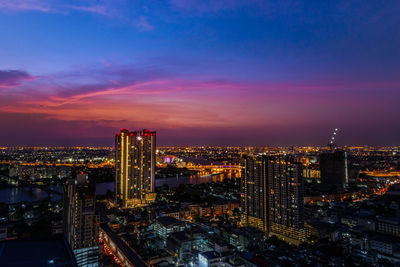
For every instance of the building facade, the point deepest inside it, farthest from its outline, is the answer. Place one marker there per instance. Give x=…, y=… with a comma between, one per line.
x=388, y=225
x=81, y=223
x=334, y=171
x=286, y=200
x=254, y=193
x=135, y=159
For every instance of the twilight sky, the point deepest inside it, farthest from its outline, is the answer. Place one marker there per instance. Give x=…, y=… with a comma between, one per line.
x=229, y=72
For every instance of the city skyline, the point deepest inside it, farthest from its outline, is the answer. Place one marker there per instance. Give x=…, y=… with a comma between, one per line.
x=201, y=133
x=199, y=72
x=199, y=206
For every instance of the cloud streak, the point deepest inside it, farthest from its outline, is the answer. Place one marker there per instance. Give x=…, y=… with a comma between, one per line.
x=26, y=5
x=14, y=78
x=96, y=9
x=102, y=8
x=142, y=24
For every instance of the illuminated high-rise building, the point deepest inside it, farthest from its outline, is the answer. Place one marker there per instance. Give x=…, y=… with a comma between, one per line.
x=81, y=223
x=135, y=157
x=254, y=198
x=286, y=199
x=272, y=197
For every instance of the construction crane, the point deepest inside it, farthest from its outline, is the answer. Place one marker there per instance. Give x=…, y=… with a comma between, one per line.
x=332, y=141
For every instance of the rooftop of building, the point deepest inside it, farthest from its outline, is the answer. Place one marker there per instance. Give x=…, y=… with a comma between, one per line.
x=209, y=255
x=180, y=236
x=130, y=254
x=168, y=221
x=391, y=220
x=385, y=239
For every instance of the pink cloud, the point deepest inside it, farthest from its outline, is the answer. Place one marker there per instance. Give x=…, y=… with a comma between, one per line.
x=14, y=78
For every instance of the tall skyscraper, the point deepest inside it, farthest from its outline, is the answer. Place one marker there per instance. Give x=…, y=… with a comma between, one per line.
x=254, y=198
x=272, y=197
x=286, y=200
x=81, y=223
x=334, y=173
x=135, y=159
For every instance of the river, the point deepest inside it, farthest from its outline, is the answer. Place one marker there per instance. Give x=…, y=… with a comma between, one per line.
x=11, y=195
x=172, y=182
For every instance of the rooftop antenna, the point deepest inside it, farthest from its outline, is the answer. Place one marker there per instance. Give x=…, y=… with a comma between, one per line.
x=332, y=141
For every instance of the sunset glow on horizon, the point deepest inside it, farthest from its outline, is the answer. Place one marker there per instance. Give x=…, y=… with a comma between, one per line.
x=218, y=73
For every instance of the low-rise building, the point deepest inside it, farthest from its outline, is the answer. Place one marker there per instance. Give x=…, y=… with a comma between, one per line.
x=211, y=259
x=166, y=225
x=389, y=225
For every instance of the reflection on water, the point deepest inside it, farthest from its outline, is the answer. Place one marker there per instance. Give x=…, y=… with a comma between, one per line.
x=193, y=179
x=173, y=182
x=18, y=194
x=199, y=178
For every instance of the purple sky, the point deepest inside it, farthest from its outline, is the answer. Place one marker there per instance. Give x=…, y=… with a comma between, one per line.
x=226, y=72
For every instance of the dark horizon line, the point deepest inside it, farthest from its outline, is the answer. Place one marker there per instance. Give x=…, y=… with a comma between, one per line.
x=204, y=145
